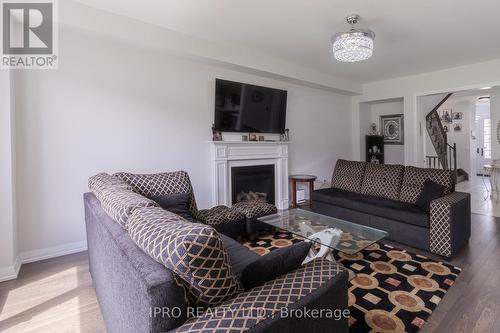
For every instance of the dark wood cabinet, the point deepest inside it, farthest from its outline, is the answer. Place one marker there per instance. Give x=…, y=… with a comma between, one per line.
x=375, y=148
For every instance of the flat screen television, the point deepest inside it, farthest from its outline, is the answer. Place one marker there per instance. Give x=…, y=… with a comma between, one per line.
x=241, y=107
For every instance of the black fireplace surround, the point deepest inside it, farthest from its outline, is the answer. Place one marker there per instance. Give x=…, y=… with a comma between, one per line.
x=253, y=179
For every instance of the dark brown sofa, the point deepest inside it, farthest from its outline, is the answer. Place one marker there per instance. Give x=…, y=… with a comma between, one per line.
x=384, y=196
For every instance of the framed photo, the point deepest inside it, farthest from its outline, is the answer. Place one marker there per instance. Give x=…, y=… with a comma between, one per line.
x=392, y=128
x=446, y=115
x=457, y=127
x=457, y=115
x=252, y=137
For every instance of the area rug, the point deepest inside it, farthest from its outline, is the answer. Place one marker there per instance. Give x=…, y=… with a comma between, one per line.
x=393, y=291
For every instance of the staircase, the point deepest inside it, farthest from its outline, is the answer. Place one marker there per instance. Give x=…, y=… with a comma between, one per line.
x=446, y=154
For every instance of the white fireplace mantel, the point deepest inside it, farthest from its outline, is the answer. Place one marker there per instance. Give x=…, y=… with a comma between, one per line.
x=228, y=154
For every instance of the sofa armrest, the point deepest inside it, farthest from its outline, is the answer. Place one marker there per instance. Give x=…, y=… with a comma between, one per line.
x=129, y=284
x=320, y=285
x=450, y=223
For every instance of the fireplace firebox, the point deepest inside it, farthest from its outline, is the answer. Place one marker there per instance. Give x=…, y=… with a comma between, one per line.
x=255, y=182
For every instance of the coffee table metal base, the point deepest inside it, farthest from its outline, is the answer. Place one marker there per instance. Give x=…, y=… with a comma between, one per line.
x=328, y=236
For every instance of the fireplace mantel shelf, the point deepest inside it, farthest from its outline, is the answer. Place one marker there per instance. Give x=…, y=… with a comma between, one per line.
x=249, y=142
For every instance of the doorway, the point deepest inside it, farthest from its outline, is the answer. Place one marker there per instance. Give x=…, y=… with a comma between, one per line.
x=483, y=130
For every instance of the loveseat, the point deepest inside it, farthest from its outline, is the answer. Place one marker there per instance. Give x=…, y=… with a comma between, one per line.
x=139, y=289
x=384, y=197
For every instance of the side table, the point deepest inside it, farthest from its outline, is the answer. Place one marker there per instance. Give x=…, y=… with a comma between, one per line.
x=301, y=179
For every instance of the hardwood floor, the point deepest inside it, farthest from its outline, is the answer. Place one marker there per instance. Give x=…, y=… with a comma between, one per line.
x=56, y=295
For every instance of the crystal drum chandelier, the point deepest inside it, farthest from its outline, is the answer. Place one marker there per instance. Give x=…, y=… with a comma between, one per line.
x=353, y=45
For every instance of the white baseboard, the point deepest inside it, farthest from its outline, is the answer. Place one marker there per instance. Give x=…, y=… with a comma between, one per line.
x=52, y=252
x=11, y=272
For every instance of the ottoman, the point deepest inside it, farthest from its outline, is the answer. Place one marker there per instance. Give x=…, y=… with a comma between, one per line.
x=252, y=209
x=225, y=220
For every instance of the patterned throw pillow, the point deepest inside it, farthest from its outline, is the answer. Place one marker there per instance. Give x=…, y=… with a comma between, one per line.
x=348, y=175
x=383, y=180
x=102, y=180
x=119, y=203
x=414, y=180
x=161, y=184
x=193, y=251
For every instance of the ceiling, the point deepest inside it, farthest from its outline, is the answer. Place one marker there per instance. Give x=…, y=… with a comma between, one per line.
x=411, y=36
x=471, y=95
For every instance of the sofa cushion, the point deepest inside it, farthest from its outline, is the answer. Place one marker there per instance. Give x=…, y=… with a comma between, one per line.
x=254, y=208
x=161, y=184
x=239, y=255
x=193, y=251
x=177, y=203
x=101, y=181
x=274, y=264
x=430, y=191
x=119, y=203
x=391, y=209
x=414, y=178
x=225, y=220
x=219, y=215
x=383, y=180
x=348, y=175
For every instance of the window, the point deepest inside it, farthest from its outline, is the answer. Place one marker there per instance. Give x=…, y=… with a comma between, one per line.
x=487, y=138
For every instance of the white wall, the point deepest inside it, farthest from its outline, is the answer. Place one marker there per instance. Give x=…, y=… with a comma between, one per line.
x=8, y=227
x=115, y=106
x=495, y=119
x=410, y=87
x=393, y=154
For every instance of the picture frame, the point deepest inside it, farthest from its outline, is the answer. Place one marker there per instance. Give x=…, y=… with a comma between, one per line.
x=446, y=115
x=392, y=128
x=457, y=127
x=457, y=116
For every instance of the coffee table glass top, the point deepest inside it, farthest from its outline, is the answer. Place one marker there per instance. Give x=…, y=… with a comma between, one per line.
x=354, y=237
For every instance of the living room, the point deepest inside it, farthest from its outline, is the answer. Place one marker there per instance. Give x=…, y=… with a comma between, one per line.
x=146, y=88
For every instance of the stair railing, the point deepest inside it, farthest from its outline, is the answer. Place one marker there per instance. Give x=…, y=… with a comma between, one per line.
x=446, y=154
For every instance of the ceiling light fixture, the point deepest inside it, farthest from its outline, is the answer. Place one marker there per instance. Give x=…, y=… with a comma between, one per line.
x=353, y=45
x=485, y=88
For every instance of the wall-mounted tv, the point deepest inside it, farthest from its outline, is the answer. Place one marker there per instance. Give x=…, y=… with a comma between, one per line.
x=241, y=107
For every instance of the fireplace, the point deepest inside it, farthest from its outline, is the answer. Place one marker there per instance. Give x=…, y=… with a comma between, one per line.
x=253, y=182
x=229, y=155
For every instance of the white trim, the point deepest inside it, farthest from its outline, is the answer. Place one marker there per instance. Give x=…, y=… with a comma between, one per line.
x=11, y=272
x=52, y=252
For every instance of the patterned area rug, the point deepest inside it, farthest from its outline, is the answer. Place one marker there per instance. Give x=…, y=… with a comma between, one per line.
x=393, y=291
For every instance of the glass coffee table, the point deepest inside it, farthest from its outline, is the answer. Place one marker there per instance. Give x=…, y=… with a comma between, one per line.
x=328, y=232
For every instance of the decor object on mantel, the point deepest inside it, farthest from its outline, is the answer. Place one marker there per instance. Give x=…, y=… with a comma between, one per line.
x=216, y=135
x=353, y=45
x=375, y=149
x=392, y=129
x=285, y=137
